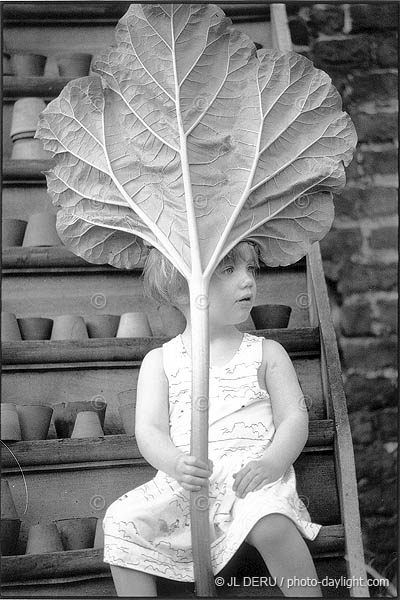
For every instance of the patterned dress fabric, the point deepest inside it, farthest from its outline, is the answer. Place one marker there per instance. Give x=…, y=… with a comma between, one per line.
x=148, y=529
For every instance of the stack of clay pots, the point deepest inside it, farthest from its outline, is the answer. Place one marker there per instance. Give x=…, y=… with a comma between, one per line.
x=35, y=328
x=41, y=230
x=127, y=405
x=80, y=419
x=271, y=316
x=69, y=327
x=26, y=64
x=75, y=533
x=134, y=324
x=75, y=64
x=24, y=421
x=12, y=232
x=10, y=522
x=24, y=123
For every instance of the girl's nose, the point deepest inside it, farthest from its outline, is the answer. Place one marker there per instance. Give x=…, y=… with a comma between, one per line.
x=247, y=280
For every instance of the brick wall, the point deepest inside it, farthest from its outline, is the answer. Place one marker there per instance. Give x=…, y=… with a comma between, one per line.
x=357, y=45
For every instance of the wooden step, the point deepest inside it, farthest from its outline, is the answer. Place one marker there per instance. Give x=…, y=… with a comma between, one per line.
x=21, y=258
x=103, y=12
x=115, y=447
x=42, y=87
x=25, y=170
x=90, y=561
x=302, y=341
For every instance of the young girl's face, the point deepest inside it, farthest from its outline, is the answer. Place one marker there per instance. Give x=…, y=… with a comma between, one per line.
x=233, y=288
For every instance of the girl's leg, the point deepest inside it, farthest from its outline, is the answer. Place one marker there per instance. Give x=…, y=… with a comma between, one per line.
x=129, y=582
x=286, y=555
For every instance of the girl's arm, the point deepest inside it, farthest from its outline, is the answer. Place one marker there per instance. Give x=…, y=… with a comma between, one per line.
x=152, y=427
x=290, y=419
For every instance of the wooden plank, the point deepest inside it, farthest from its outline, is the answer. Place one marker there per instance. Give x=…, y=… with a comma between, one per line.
x=59, y=256
x=42, y=87
x=25, y=170
x=112, y=447
x=347, y=482
x=95, y=586
x=87, y=562
x=316, y=486
x=45, y=258
x=104, y=12
x=300, y=341
x=281, y=38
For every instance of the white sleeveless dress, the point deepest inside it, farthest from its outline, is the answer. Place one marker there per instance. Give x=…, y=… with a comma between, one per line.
x=148, y=529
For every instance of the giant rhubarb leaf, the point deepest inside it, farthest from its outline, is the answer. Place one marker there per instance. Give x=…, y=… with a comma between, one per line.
x=190, y=139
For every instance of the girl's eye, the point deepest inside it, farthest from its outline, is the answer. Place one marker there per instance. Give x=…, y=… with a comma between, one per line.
x=251, y=268
x=228, y=270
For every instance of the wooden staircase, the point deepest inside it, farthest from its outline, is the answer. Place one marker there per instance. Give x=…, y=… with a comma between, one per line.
x=81, y=477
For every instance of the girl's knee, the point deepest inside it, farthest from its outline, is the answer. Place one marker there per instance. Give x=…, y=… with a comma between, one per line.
x=271, y=530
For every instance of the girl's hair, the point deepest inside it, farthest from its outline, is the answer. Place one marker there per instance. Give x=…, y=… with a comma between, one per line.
x=165, y=284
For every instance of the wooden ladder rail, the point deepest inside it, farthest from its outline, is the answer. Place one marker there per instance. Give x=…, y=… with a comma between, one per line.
x=319, y=311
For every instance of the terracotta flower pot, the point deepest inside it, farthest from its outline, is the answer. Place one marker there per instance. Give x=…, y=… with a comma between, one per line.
x=9, y=535
x=76, y=64
x=173, y=321
x=13, y=231
x=69, y=327
x=34, y=420
x=42, y=538
x=99, y=535
x=102, y=326
x=127, y=406
x=134, y=324
x=65, y=414
x=7, y=66
x=35, y=328
x=25, y=117
x=10, y=331
x=10, y=428
x=87, y=424
x=8, y=510
x=28, y=65
x=127, y=414
x=271, y=316
x=77, y=533
x=41, y=230
x=29, y=149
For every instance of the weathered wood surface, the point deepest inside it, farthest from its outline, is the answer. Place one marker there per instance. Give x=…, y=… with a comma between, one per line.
x=344, y=455
x=90, y=561
x=112, y=447
x=42, y=87
x=20, y=170
x=109, y=12
x=35, y=258
x=301, y=341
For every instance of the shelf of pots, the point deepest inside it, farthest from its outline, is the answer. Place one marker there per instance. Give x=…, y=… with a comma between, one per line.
x=299, y=342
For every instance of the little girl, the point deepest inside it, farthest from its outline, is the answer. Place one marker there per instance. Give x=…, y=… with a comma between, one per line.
x=257, y=429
